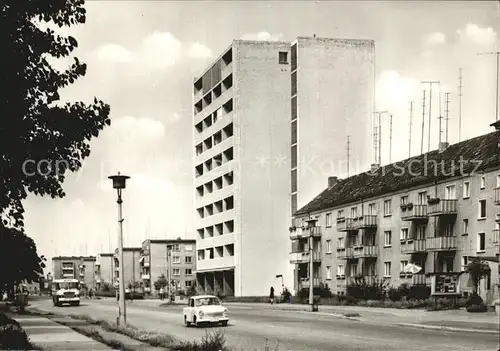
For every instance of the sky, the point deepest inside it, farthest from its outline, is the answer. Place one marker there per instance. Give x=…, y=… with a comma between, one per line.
x=142, y=58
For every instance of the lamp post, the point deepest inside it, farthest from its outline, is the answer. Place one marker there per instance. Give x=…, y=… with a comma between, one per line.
x=311, y=223
x=119, y=184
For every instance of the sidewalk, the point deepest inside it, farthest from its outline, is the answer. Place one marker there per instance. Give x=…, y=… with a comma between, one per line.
x=49, y=335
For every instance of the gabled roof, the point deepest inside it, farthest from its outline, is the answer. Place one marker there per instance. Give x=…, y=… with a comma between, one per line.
x=458, y=160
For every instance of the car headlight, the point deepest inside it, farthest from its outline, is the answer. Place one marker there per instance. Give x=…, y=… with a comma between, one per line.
x=200, y=313
x=60, y=294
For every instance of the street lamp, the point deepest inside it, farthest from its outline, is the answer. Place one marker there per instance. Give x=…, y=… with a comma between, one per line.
x=119, y=184
x=311, y=224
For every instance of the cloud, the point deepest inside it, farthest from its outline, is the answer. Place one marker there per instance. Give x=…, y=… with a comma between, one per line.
x=435, y=38
x=262, y=36
x=130, y=127
x=114, y=53
x=197, y=50
x=472, y=33
x=176, y=117
x=393, y=90
x=160, y=49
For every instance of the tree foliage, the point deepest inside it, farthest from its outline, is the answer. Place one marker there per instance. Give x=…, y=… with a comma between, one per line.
x=161, y=282
x=477, y=269
x=37, y=129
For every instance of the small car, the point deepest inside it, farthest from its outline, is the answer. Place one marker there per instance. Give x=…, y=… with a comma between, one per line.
x=204, y=309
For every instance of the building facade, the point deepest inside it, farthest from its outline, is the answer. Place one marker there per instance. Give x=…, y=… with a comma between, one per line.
x=171, y=258
x=132, y=270
x=242, y=153
x=75, y=267
x=104, y=270
x=427, y=210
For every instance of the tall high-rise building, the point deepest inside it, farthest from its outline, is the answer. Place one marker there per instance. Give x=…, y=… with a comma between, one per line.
x=260, y=111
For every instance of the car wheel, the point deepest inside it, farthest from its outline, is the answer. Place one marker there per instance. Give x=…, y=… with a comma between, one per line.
x=186, y=323
x=224, y=323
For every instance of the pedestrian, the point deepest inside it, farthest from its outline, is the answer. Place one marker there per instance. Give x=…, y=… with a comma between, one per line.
x=161, y=293
x=271, y=296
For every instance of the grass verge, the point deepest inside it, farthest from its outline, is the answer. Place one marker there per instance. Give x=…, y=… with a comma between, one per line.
x=13, y=336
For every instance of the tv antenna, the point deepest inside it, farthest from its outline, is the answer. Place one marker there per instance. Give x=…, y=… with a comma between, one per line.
x=497, y=53
x=348, y=154
x=390, y=138
x=378, y=137
x=447, y=113
x=411, y=122
x=423, y=124
x=430, y=82
x=460, y=86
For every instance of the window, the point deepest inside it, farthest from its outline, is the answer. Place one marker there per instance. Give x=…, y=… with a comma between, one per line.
x=483, y=182
x=465, y=262
x=188, y=247
x=404, y=200
x=328, y=246
x=283, y=57
x=481, y=242
x=448, y=229
x=466, y=226
x=354, y=269
x=403, y=234
x=498, y=180
x=176, y=259
x=371, y=209
x=387, y=269
x=340, y=269
x=450, y=193
x=482, y=209
x=328, y=272
x=466, y=189
x=176, y=271
x=188, y=283
x=403, y=265
x=387, y=238
x=176, y=247
x=387, y=207
x=422, y=198
x=355, y=240
x=420, y=232
x=354, y=212
x=340, y=214
x=328, y=219
x=188, y=259
x=189, y=271
x=341, y=243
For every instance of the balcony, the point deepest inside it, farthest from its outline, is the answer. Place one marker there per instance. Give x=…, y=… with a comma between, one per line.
x=304, y=282
x=420, y=279
x=345, y=225
x=496, y=196
x=443, y=243
x=345, y=253
x=145, y=277
x=495, y=238
x=443, y=208
x=303, y=257
x=365, y=251
x=365, y=222
x=303, y=232
x=416, y=212
x=413, y=246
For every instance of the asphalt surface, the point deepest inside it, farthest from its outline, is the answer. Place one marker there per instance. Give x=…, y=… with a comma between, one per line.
x=251, y=328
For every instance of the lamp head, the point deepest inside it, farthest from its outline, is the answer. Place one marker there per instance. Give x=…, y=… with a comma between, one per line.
x=119, y=181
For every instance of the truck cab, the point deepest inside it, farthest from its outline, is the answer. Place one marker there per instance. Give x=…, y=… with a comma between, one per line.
x=66, y=291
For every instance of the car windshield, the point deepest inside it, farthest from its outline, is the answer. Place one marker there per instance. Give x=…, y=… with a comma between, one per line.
x=208, y=301
x=67, y=286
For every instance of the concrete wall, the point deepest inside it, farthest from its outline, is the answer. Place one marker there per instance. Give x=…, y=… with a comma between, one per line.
x=106, y=270
x=262, y=129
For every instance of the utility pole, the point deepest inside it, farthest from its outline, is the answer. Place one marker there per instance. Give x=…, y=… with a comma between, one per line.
x=460, y=86
x=430, y=82
x=311, y=224
x=411, y=122
x=497, y=53
x=423, y=125
x=447, y=113
x=348, y=155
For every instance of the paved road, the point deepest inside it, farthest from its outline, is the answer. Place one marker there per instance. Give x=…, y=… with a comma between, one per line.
x=251, y=327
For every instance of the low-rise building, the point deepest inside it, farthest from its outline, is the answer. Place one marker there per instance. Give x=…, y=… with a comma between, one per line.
x=104, y=270
x=437, y=210
x=174, y=259
x=75, y=267
x=131, y=267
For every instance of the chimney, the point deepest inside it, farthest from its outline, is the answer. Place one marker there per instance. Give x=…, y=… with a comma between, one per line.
x=443, y=146
x=374, y=167
x=332, y=181
x=496, y=125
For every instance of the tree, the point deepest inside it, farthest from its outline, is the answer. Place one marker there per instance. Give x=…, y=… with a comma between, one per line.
x=161, y=282
x=192, y=290
x=41, y=139
x=477, y=270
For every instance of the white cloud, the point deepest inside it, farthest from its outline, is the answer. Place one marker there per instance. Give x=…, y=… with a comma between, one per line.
x=394, y=90
x=435, y=38
x=475, y=34
x=160, y=49
x=197, y=50
x=176, y=117
x=130, y=127
x=114, y=53
x=262, y=36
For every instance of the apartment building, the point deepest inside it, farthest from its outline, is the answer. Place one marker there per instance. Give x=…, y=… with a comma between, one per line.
x=175, y=259
x=75, y=267
x=132, y=271
x=256, y=109
x=436, y=210
x=104, y=269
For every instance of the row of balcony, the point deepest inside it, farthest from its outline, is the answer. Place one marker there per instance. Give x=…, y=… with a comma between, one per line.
x=413, y=279
x=353, y=224
x=304, y=232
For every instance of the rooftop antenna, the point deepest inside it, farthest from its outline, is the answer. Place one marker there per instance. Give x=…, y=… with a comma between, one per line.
x=109, y=241
x=390, y=138
x=348, y=154
x=447, y=113
x=497, y=53
x=430, y=82
x=378, y=138
x=440, y=118
x=411, y=118
x=460, y=86
x=423, y=125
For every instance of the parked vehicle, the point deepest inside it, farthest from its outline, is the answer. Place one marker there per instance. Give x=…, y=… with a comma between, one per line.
x=205, y=309
x=66, y=291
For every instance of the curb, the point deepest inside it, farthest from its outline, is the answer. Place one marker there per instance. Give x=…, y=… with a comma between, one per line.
x=454, y=329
